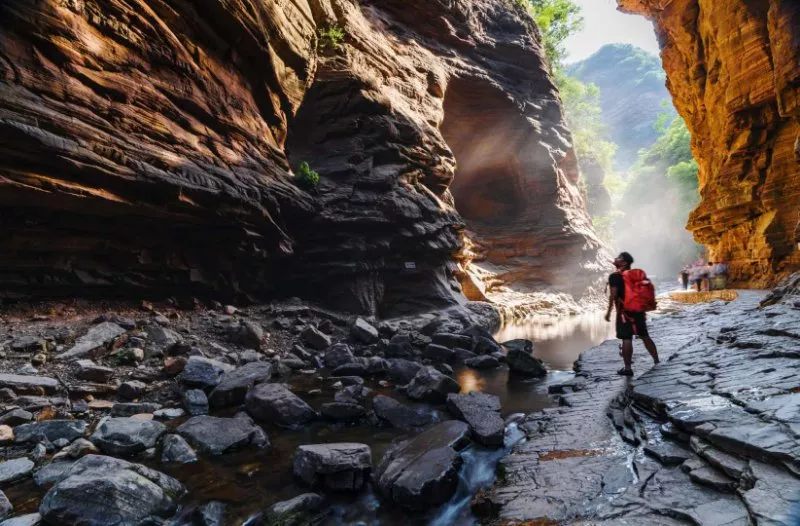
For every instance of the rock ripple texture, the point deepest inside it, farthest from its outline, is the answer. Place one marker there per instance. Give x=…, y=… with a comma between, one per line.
x=216, y=96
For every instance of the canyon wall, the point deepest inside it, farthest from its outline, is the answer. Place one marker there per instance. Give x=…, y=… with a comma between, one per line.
x=734, y=74
x=148, y=146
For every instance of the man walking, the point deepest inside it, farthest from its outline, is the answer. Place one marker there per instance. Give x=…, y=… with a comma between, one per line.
x=630, y=322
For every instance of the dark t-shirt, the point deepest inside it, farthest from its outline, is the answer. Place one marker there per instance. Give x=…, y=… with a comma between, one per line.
x=616, y=280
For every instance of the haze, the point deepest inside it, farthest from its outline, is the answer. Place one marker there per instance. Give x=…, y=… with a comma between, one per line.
x=603, y=24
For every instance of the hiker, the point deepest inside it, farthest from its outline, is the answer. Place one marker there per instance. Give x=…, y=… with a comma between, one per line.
x=684, y=278
x=632, y=295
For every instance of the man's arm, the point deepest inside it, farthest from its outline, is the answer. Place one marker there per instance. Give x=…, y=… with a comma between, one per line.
x=612, y=299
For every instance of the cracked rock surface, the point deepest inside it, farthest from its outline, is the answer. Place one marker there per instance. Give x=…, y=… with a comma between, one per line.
x=709, y=436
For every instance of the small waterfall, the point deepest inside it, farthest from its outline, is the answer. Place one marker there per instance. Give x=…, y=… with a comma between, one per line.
x=478, y=472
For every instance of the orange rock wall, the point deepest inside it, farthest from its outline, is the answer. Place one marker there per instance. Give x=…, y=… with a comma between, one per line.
x=733, y=69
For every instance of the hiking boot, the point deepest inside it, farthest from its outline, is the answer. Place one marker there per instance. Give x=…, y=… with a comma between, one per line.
x=625, y=372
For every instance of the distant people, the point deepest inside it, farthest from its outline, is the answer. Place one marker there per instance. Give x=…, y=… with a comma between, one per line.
x=684, y=277
x=720, y=276
x=710, y=275
x=631, y=294
x=696, y=277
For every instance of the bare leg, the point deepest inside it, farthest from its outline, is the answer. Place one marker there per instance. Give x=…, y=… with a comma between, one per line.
x=650, y=345
x=627, y=353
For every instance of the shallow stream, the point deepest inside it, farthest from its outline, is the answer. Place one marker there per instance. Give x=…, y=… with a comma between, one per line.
x=250, y=481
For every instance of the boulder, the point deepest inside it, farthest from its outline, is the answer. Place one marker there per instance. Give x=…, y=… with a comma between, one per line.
x=50, y=431
x=5, y=506
x=26, y=344
x=439, y=353
x=124, y=409
x=31, y=519
x=338, y=355
x=80, y=447
x=204, y=373
x=524, y=364
x=429, y=385
x=402, y=371
x=522, y=345
x=315, y=338
x=162, y=338
x=92, y=372
x=400, y=415
x=174, y=448
x=296, y=511
x=275, y=403
x=364, y=332
x=98, y=337
x=99, y=490
x=21, y=383
x=51, y=473
x=16, y=417
x=335, y=467
x=248, y=334
x=343, y=411
x=132, y=389
x=482, y=362
x=14, y=470
x=422, y=472
x=359, y=368
x=452, y=341
x=127, y=436
x=196, y=402
x=215, y=436
x=400, y=347
x=482, y=412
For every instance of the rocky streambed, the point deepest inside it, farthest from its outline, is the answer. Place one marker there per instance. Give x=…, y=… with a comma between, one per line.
x=280, y=414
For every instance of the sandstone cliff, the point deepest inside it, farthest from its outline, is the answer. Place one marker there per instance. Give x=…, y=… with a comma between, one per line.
x=149, y=144
x=734, y=75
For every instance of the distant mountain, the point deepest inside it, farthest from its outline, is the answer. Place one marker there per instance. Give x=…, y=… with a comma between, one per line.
x=632, y=91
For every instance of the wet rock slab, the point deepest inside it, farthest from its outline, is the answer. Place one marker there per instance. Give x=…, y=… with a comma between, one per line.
x=336, y=467
x=97, y=487
x=482, y=412
x=14, y=470
x=127, y=436
x=50, y=430
x=98, y=337
x=275, y=403
x=233, y=386
x=29, y=384
x=422, y=472
x=216, y=436
x=400, y=415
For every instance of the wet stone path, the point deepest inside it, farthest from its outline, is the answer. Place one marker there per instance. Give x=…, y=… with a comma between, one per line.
x=709, y=436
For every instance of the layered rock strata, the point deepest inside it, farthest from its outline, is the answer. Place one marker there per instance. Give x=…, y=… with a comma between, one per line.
x=734, y=75
x=150, y=146
x=706, y=437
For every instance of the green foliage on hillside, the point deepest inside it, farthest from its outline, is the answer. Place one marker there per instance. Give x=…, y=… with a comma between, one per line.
x=331, y=37
x=632, y=96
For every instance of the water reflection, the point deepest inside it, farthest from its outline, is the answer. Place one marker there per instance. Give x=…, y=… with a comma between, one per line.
x=560, y=341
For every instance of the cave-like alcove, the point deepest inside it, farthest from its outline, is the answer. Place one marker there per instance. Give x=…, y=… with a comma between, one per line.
x=483, y=129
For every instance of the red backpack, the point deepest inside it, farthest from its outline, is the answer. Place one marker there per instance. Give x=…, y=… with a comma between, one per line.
x=640, y=294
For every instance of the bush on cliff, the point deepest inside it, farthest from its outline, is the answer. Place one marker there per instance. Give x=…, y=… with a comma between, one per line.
x=331, y=38
x=305, y=177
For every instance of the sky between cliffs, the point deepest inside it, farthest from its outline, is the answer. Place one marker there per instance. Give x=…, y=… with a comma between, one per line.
x=603, y=24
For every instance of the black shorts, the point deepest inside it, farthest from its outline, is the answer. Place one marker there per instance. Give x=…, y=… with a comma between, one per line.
x=635, y=324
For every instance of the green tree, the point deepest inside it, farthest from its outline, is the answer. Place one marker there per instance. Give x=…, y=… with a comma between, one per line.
x=557, y=20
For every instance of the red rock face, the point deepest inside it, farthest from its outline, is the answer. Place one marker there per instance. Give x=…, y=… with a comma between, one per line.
x=734, y=74
x=148, y=146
